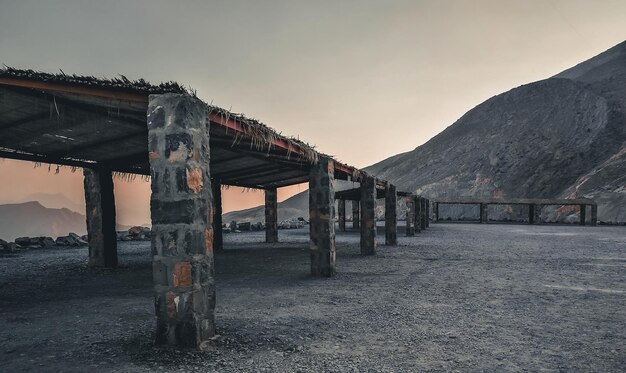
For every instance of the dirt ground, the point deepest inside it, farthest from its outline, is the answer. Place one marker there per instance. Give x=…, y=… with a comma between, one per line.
x=463, y=297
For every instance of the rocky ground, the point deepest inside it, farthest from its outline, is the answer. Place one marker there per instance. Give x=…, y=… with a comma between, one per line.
x=457, y=297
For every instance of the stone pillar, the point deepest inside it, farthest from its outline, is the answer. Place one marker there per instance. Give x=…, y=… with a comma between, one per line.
x=271, y=215
x=391, y=218
x=436, y=211
x=356, y=215
x=427, y=213
x=410, y=216
x=182, y=219
x=368, y=216
x=423, y=215
x=100, y=212
x=531, y=214
x=321, y=217
x=537, y=211
x=483, y=213
x=341, y=206
x=418, y=214
x=583, y=214
x=594, y=215
x=218, y=232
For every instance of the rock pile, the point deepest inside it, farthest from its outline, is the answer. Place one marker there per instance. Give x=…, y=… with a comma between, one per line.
x=33, y=243
x=135, y=234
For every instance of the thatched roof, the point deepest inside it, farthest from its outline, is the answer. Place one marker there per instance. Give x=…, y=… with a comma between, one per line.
x=120, y=83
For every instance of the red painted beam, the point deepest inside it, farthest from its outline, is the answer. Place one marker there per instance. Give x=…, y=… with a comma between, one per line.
x=77, y=90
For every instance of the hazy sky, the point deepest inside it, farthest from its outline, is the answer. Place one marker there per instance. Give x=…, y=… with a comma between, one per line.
x=361, y=80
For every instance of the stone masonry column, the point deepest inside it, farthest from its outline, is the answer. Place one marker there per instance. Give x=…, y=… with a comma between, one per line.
x=356, y=214
x=531, y=214
x=583, y=214
x=391, y=217
x=436, y=211
x=368, y=215
x=410, y=216
x=321, y=217
x=341, y=207
x=418, y=214
x=537, y=211
x=483, y=213
x=594, y=215
x=427, y=213
x=182, y=210
x=423, y=215
x=271, y=215
x=218, y=232
x=100, y=212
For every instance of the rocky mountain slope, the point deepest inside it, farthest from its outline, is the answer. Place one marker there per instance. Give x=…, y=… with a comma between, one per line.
x=560, y=137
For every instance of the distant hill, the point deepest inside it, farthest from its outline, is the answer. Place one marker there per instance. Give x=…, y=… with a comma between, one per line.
x=560, y=137
x=291, y=208
x=32, y=219
x=56, y=201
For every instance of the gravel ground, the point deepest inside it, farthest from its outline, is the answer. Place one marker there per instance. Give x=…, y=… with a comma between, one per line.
x=462, y=297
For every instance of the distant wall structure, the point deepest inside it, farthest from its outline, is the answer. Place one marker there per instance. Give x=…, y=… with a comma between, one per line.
x=533, y=206
x=189, y=149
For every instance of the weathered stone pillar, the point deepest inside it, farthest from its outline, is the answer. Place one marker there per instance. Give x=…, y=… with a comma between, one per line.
x=182, y=210
x=356, y=215
x=321, y=217
x=436, y=211
x=583, y=214
x=418, y=214
x=423, y=215
x=271, y=215
x=410, y=216
x=483, y=213
x=594, y=215
x=427, y=213
x=537, y=211
x=391, y=218
x=531, y=214
x=100, y=212
x=341, y=207
x=368, y=216
x=218, y=232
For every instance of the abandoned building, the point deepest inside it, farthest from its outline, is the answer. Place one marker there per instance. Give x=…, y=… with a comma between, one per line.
x=189, y=149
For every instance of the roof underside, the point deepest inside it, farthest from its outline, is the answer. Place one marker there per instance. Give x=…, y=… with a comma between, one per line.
x=91, y=123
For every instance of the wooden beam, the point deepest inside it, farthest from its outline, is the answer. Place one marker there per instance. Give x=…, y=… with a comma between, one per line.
x=77, y=90
x=28, y=119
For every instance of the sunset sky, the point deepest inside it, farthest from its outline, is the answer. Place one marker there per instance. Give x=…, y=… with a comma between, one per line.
x=362, y=80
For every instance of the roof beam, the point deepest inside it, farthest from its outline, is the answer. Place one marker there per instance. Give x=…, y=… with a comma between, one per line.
x=28, y=119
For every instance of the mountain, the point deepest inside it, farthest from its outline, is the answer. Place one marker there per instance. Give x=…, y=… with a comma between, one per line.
x=32, y=219
x=562, y=137
x=291, y=208
x=56, y=201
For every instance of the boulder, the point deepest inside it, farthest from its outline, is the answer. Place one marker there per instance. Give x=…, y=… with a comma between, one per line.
x=46, y=241
x=9, y=247
x=70, y=240
x=23, y=241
